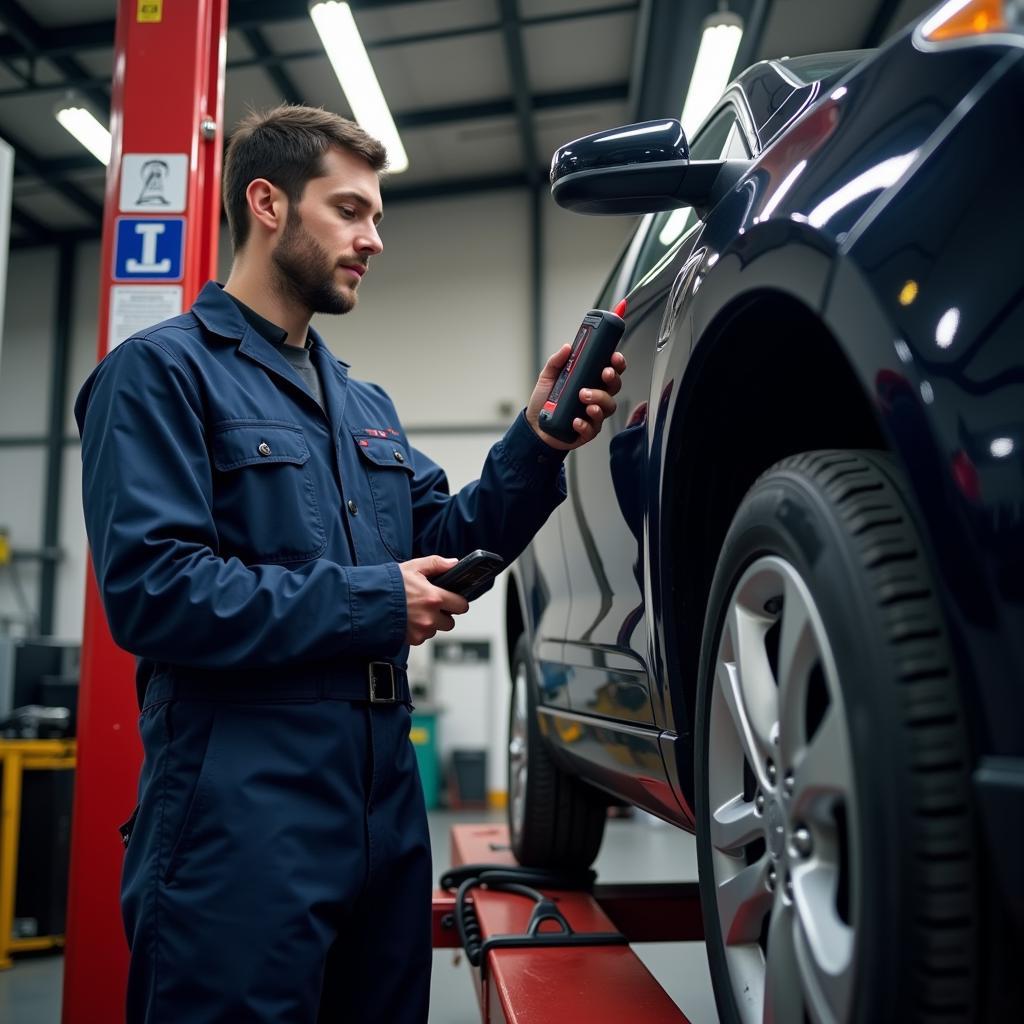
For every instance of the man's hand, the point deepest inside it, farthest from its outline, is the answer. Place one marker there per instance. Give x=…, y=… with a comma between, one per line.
x=599, y=403
x=428, y=608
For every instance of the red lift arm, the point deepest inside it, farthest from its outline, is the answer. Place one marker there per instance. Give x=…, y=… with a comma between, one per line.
x=160, y=230
x=547, y=985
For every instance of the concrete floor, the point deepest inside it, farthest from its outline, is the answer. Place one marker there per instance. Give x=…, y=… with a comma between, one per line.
x=635, y=850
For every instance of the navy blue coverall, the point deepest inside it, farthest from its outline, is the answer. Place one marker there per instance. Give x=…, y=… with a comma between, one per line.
x=246, y=544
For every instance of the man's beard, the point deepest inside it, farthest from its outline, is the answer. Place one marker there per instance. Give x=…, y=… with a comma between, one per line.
x=305, y=271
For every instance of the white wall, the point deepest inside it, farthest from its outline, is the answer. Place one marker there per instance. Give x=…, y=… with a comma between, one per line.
x=443, y=323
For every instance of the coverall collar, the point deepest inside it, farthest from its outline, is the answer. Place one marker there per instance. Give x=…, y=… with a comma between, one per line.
x=220, y=314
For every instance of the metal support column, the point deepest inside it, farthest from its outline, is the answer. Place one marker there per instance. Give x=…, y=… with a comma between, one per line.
x=55, y=437
x=166, y=112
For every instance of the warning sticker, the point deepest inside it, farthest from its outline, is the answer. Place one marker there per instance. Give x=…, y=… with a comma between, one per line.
x=135, y=307
x=150, y=10
x=154, y=182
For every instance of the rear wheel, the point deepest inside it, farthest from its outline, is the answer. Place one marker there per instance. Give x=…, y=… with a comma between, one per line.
x=834, y=833
x=554, y=820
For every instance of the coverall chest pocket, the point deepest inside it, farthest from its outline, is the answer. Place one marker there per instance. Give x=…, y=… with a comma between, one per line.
x=265, y=501
x=386, y=464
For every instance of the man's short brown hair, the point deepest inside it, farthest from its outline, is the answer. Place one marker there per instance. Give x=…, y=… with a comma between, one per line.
x=286, y=146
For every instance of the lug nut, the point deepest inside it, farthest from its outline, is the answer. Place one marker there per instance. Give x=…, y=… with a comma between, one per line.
x=789, y=888
x=772, y=773
x=803, y=844
x=772, y=878
x=759, y=802
x=788, y=784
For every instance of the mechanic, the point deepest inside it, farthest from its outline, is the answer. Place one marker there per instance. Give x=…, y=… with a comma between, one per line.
x=264, y=536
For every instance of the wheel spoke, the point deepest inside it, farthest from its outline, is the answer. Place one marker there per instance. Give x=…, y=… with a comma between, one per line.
x=824, y=945
x=783, y=997
x=734, y=825
x=743, y=901
x=798, y=652
x=748, y=687
x=822, y=772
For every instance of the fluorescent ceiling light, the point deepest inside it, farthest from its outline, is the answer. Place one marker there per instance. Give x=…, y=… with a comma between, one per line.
x=718, y=48
x=337, y=30
x=86, y=129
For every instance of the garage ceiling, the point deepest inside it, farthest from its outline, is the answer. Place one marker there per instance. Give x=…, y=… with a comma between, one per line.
x=482, y=90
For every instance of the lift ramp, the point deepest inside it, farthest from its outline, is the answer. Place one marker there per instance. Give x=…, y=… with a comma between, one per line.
x=599, y=984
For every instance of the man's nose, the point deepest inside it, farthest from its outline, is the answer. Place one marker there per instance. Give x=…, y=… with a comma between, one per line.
x=370, y=244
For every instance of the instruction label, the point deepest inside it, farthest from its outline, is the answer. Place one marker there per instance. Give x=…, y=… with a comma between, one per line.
x=136, y=307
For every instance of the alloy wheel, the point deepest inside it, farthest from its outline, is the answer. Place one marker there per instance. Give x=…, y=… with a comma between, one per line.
x=783, y=809
x=518, y=749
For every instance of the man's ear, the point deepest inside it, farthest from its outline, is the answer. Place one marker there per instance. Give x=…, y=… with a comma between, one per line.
x=267, y=204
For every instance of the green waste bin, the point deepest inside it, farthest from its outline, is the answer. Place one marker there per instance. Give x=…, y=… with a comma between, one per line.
x=423, y=734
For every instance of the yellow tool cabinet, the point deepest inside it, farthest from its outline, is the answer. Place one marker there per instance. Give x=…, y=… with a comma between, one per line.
x=17, y=757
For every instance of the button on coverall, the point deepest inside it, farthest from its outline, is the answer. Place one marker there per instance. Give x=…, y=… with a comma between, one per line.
x=246, y=544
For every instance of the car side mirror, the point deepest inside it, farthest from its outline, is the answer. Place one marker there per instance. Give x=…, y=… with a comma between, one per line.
x=638, y=168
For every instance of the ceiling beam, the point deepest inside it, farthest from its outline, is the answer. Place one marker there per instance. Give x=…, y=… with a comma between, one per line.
x=56, y=238
x=283, y=81
x=59, y=168
x=512, y=36
x=25, y=220
x=99, y=35
x=507, y=108
x=31, y=37
x=26, y=162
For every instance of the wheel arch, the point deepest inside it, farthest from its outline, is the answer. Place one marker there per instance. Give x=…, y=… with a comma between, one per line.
x=515, y=621
x=754, y=394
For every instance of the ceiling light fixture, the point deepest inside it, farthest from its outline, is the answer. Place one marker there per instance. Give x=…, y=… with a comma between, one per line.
x=80, y=122
x=345, y=50
x=719, y=44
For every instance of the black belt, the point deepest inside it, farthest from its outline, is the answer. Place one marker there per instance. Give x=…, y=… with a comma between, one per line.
x=376, y=682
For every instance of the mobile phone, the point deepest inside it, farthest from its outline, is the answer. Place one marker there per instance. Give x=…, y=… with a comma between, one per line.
x=472, y=575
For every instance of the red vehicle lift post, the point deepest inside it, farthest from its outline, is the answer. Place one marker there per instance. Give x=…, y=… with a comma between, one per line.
x=160, y=231
x=602, y=984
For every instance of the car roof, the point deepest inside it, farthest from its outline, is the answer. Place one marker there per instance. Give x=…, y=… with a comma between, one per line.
x=769, y=86
x=823, y=67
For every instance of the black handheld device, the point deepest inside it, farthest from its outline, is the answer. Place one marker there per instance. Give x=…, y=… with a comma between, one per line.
x=472, y=575
x=591, y=351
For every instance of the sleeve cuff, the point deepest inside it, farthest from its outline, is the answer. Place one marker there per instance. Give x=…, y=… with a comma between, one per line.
x=377, y=608
x=528, y=454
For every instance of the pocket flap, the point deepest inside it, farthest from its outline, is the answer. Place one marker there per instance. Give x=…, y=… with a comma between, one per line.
x=251, y=442
x=386, y=452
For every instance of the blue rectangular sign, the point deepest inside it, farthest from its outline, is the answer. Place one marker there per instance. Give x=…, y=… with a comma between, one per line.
x=148, y=249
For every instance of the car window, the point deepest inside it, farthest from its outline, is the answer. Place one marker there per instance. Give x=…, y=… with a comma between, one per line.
x=722, y=137
x=614, y=288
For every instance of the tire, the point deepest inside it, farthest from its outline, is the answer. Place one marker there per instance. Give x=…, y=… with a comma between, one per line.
x=554, y=819
x=834, y=831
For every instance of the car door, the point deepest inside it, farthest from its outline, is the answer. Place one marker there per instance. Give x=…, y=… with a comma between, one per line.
x=601, y=523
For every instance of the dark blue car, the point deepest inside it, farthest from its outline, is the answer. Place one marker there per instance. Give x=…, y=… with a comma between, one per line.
x=783, y=606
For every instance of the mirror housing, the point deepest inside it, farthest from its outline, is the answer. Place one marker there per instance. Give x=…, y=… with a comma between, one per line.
x=638, y=168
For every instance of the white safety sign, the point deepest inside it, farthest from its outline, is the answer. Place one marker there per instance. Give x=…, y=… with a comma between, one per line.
x=134, y=307
x=154, y=183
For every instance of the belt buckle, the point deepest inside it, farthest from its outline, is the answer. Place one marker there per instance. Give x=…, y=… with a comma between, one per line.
x=383, y=688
